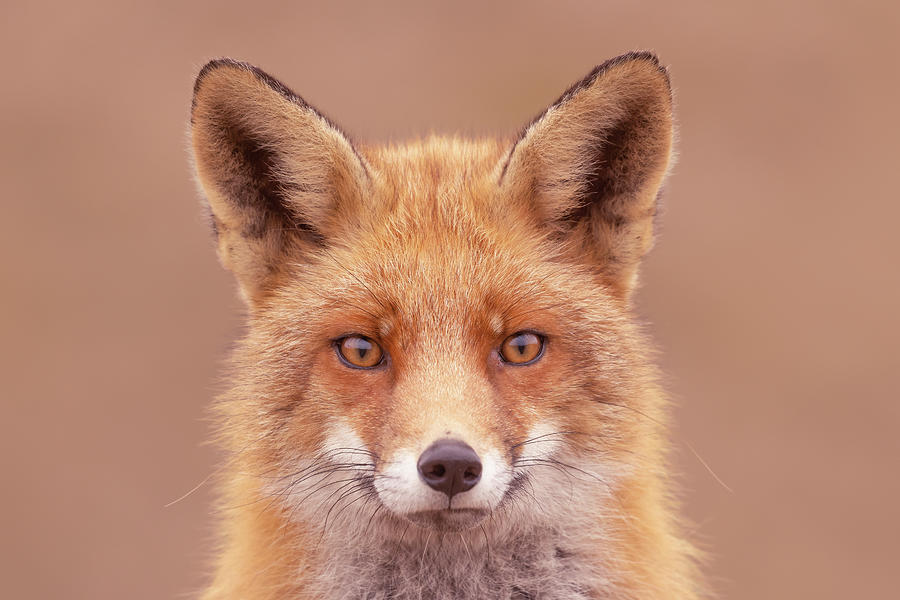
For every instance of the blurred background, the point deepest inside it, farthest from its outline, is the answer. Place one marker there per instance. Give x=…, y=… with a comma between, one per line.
x=773, y=291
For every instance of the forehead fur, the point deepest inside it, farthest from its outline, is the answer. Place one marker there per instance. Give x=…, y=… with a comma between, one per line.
x=439, y=188
x=438, y=232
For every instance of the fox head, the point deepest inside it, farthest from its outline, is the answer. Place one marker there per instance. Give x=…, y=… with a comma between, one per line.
x=439, y=333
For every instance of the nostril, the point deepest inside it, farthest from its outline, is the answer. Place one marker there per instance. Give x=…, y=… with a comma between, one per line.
x=435, y=471
x=450, y=466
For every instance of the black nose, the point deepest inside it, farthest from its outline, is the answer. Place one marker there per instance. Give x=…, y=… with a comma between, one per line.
x=450, y=466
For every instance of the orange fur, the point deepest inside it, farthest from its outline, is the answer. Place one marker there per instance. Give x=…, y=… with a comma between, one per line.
x=439, y=250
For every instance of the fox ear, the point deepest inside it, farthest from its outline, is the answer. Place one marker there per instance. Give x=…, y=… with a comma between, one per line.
x=275, y=172
x=593, y=163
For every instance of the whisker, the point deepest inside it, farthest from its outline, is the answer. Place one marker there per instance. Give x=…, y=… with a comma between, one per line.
x=519, y=315
x=544, y=463
x=707, y=467
x=402, y=535
x=487, y=542
x=372, y=517
x=192, y=490
x=358, y=280
x=541, y=437
x=319, y=470
x=352, y=490
x=427, y=539
x=465, y=545
x=367, y=496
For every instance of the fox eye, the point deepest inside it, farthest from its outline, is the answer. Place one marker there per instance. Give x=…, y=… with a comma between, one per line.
x=522, y=348
x=360, y=352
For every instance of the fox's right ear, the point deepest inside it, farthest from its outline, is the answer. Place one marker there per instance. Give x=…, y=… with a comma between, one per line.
x=275, y=172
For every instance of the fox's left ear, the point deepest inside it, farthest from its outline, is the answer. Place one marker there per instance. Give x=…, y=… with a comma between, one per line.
x=593, y=163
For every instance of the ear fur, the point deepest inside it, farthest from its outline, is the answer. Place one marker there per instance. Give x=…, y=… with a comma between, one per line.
x=275, y=172
x=593, y=164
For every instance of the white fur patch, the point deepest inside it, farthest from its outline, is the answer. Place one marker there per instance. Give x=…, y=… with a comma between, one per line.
x=402, y=490
x=343, y=443
x=542, y=441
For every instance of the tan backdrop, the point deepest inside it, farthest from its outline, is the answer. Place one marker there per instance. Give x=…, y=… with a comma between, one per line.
x=773, y=292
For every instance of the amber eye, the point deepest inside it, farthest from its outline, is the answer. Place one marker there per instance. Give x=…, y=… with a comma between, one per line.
x=360, y=352
x=522, y=348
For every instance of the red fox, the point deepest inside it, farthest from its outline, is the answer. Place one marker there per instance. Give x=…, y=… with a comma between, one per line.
x=442, y=392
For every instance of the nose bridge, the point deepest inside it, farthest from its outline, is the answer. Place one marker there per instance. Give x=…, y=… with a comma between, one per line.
x=443, y=395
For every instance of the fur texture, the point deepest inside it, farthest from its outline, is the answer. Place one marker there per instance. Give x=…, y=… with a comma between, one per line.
x=438, y=250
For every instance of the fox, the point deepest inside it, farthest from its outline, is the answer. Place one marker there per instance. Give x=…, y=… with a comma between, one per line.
x=443, y=390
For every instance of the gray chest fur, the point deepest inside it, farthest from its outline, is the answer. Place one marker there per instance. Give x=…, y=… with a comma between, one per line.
x=452, y=569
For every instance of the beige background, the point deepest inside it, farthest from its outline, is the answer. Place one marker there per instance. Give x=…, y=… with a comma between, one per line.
x=773, y=292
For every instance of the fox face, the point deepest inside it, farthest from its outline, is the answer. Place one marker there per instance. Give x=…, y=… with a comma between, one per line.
x=450, y=372
x=440, y=338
